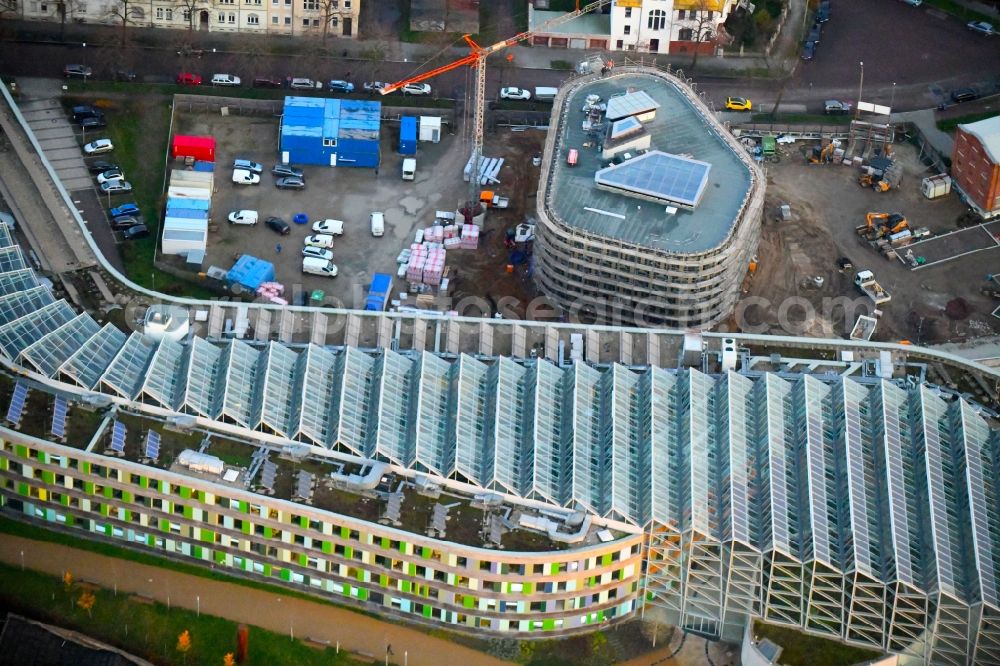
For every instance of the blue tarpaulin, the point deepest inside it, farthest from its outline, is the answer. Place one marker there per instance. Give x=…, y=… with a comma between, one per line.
x=251, y=272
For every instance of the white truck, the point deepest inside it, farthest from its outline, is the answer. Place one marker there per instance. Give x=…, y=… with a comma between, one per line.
x=865, y=281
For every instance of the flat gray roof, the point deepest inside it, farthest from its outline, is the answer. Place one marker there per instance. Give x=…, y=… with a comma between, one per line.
x=678, y=129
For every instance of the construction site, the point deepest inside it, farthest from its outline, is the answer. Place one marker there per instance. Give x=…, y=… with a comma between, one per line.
x=863, y=239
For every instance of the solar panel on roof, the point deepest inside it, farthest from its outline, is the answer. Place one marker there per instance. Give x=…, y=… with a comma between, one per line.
x=17, y=400
x=152, y=444
x=59, y=410
x=630, y=104
x=118, y=437
x=658, y=175
x=625, y=127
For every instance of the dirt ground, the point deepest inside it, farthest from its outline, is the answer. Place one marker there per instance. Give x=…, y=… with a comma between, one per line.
x=827, y=204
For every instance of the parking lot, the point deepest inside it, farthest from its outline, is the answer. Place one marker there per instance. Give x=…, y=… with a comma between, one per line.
x=340, y=193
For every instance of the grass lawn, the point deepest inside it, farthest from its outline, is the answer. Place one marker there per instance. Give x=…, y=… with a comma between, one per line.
x=150, y=630
x=801, y=649
x=949, y=124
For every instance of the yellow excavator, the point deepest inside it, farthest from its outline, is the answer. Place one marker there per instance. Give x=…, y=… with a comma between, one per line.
x=821, y=156
x=878, y=225
x=877, y=184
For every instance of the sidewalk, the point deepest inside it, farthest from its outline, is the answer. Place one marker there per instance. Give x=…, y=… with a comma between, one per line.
x=282, y=614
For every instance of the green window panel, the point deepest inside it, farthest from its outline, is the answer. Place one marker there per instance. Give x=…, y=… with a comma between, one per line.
x=268, y=532
x=64, y=500
x=4, y=465
x=606, y=559
x=425, y=553
x=108, y=491
x=246, y=564
x=385, y=542
x=363, y=594
x=22, y=489
x=107, y=529
x=21, y=451
x=402, y=547
x=244, y=506
x=42, y=456
x=548, y=625
x=303, y=560
x=411, y=568
x=405, y=585
x=128, y=516
x=48, y=477
x=383, y=580
x=427, y=611
x=468, y=602
x=303, y=522
x=327, y=547
x=208, y=535
x=267, y=569
x=220, y=557
x=164, y=486
x=362, y=575
x=348, y=552
x=88, y=487
x=164, y=525
x=247, y=527
x=71, y=520
x=286, y=575
x=188, y=513
x=150, y=540
x=344, y=532
x=105, y=510
x=128, y=496
x=85, y=466
x=196, y=551
x=505, y=587
x=143, y=482
x=553, y=568
x=529, y=588
x=185, y=492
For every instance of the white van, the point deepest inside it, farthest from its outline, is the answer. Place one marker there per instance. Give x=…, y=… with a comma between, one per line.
x=545, y=94
x=409, y=168
x=378, y=224
x=225, y=80
x=317, y=266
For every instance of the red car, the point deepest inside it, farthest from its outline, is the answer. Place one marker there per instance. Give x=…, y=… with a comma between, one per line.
x=188, y=79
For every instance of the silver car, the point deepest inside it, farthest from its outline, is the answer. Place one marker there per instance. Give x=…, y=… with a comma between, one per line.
x=116, y=187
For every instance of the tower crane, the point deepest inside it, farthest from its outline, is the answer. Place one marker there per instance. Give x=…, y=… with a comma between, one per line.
x=477, y=58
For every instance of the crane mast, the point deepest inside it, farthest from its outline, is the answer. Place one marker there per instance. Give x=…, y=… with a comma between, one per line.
x=477, y=57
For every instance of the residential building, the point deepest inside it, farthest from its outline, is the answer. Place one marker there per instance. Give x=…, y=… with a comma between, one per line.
x=334, y=18
x=975, y=165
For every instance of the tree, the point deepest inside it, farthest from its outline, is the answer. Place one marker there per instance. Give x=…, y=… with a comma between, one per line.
x=229, y=660
x=86, y=602
x=704, y=15
x=7, y=7
x=125, y=11
x=191, y=8
x=328, y=10
x=184, y=644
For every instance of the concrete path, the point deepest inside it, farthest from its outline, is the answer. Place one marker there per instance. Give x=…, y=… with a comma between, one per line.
x=301, y=619
x=927, y=122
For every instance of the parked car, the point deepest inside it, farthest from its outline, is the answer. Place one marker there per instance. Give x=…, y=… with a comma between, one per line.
x=244, y=177
x=116, y=187
x=738, y=104
x=416, y=89
x=225, y=80
x=100, y=166
x=248, y=165
x=136, y=232
x=124, y=209
x=374, y=86
x=334, y=227
x=290, y=183
x=964, y=95
x=280, y=170
x=833, y=107
x=515, y=93
x=86, y=111
x=317, y=253
x=278, y=225
x=81, y=71
x=124, y=75
x=339, y=85
x=304, y=84
x=324, y=241
x=93, y=122
x=808, y=51
x=914, y=3
x=980, y=26
x=814, y=34
x=110, y=175
x=267, y=82
x=188, y=79
x=243, y=217
x=98, y=147
x=823, y=14
x=377, y=223
x=124, y=222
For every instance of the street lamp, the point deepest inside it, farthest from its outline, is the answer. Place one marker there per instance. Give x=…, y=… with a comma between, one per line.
x=892, y=98
x=861, y=85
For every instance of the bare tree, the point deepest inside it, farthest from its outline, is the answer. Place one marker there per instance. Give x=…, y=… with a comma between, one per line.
x=329, y=9
x=125, y=11
x=190, y=7
x=8, y=7
x=64, y=8
x=703, y=30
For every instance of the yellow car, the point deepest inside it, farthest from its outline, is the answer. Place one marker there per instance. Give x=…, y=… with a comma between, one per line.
x=738, y=104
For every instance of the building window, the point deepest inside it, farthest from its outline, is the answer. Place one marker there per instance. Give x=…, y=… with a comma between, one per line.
x=232, y=17
x=305, y=23
x=138, y=13
x=274, y=20
x=170, y=15
x=628, y=30
x=310, y=4
x=222, y=17
x=186, y=14
x=159, y=13
x=628, y=12
x=329, y=143
x=316, y=23
x=685, y=34
x=681, y=14
x=288, y=20
x=347, y=4
x=657, y=19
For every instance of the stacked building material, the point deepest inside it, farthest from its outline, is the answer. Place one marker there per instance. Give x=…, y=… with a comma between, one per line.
x=415, y=268
x=434, y=234
x=470, y=237
x=434, y=266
